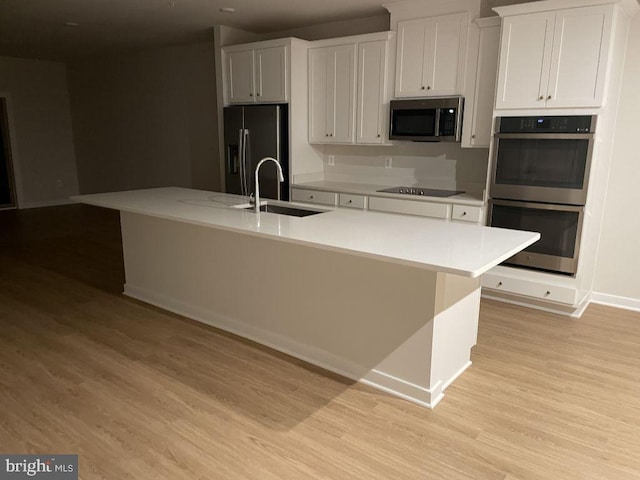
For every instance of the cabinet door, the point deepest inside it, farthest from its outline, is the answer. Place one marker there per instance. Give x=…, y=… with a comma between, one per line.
x=525, y=56
x=485, y=87
x=371, y=87
x=240, y=79
x=578, y=61
x=271, y=74
x=444, y=57
x=318, y=101
x=341, y=93
x=410, y=67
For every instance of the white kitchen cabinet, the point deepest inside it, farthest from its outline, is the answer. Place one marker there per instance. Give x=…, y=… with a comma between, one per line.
x=349, y=200
x=466, y=213
x=554, y=59
x=332, y=93
x=371, y=108
x=410, y=207
x=431, y=56
x=478, y=112
x=537, y=289
x=256, y=75
x=313, y=196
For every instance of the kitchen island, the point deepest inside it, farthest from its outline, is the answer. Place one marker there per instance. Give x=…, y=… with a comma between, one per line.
x=389, y=300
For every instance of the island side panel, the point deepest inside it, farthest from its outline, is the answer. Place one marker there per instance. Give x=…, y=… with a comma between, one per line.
x=367, y=319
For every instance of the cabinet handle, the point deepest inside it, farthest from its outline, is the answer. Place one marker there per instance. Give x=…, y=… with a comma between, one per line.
x=463, y=214
x=378, y=135
x=422, y=88
x=547, y=293
x=350, y=201
x=331, y=134
x=251, y=94
x=499, y=284
x=310, y=197
x=257, y=94
x=473, y=135
x=549, y=97
x=541, y=97
x=428, y=87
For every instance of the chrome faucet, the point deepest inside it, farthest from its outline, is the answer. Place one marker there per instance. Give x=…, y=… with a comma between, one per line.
x=280, y=178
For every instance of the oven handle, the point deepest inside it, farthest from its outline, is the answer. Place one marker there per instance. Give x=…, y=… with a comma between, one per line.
x=538, y=206
x=547, y=136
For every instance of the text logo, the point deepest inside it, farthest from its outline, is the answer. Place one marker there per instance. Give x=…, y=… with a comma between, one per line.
x=44, y=467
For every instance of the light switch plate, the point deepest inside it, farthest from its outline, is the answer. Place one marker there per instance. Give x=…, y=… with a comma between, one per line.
x=388, y=162
x=331, y=160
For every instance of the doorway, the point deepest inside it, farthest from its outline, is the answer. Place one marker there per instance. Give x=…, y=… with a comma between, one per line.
x=7, y=181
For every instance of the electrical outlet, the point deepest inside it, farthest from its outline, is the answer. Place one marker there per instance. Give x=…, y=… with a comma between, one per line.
x=388, y=162
x=331, y=160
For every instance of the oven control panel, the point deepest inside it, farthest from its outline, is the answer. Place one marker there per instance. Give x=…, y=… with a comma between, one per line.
x=547, y=124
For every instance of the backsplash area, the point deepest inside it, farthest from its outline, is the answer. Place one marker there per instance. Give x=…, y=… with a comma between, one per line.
x=433, y=165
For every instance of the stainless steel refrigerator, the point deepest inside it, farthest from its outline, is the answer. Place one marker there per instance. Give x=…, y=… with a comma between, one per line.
x=252, y=132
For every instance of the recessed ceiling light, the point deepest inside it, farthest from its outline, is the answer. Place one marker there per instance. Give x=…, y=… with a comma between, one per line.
x=227, y=10
x=71, y=24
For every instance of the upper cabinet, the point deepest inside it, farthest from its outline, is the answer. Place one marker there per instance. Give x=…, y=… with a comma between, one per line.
x=349, y=90
x=554, y=59
x=482, y=73
x=332, y=94
x=431, y=56
x=256, y=74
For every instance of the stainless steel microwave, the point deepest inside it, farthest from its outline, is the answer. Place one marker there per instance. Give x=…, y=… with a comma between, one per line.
x=436, y=119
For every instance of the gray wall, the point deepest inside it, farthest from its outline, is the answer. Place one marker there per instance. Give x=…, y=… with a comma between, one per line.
x=40, y=130
x=146, y=119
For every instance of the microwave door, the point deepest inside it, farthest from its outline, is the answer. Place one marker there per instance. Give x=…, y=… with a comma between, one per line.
x=414, y=124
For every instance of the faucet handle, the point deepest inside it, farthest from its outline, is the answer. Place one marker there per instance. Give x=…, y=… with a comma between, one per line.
x=252, y=201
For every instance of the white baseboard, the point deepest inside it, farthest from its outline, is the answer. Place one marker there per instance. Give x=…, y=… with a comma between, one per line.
x=46, y=203
x=321, y=358
x=625, y=303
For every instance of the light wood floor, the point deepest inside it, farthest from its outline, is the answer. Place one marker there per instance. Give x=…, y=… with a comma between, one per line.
x=140, y=393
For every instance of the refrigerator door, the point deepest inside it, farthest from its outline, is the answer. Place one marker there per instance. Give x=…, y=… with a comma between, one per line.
x=264, y=138
x=233, y=148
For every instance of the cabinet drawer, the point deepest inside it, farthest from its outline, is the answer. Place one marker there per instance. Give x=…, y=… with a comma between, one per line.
x=313, y=196
x=409, y=207
x=352, y=201
x=551, y=293
x=465, y=213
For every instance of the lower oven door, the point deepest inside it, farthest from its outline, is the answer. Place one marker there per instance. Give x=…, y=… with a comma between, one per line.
x=559, y=226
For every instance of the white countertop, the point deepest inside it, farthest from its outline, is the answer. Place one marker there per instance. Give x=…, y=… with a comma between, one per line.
x=467, y=198
x=458, y=248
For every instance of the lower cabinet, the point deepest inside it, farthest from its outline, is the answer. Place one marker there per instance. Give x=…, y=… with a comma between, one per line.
x=444, y=211
x=410, y=207
x=531, y=288
x=314, y=196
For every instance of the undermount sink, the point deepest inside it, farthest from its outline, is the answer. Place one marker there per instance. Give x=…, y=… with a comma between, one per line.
x=284, y=210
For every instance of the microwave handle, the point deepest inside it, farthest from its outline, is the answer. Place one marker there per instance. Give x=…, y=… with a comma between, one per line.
x=437, y=125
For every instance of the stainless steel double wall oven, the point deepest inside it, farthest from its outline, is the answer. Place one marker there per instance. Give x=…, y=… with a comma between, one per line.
x=539, y=181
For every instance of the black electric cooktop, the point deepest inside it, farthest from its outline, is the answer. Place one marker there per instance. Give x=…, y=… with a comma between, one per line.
x=426, y=192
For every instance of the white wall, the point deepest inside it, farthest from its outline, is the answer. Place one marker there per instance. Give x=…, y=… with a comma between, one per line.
x=618, y=264
x=40, y=130
x=146, y=119
x=341, y=28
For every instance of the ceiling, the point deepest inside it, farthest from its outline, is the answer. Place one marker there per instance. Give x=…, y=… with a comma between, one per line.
x=36, y=28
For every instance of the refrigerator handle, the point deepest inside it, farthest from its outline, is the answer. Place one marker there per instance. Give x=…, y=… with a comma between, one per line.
x=247, y=153
x=241, y=159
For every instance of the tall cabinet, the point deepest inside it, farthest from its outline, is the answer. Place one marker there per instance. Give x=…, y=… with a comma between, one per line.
x=556, y=60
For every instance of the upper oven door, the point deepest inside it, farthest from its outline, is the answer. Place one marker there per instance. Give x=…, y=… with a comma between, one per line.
x=550, y=168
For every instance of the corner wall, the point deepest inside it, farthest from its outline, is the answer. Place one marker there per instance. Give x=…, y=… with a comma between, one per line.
x=618, y=262
x=40, y=130
x=146, y=119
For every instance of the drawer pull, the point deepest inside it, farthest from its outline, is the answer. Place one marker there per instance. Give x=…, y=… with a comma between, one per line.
x=350, y=201
x=549, y=97
x=311, y=197
x=499, y=284
x=547, y=293
x=540, y=97
x=463, y=214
